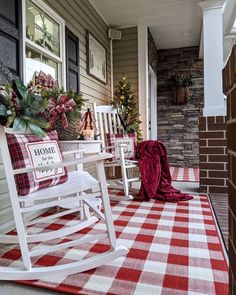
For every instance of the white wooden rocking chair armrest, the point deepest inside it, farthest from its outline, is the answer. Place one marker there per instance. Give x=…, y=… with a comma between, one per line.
x=87, y=159
x=79, y=151
x=123, y=145
x=122, y=157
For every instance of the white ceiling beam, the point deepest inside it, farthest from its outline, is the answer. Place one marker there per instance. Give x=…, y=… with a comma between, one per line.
x=212, y=4
x=99, y=11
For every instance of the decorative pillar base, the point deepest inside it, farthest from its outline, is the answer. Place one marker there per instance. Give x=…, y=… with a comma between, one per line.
x=214, y=111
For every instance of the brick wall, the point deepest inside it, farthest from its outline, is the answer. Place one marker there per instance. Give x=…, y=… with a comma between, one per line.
x=177, y=125
x=213, y=159
x=229, y=78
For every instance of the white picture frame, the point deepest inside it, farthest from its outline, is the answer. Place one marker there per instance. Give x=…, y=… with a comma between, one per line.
x=96, y=59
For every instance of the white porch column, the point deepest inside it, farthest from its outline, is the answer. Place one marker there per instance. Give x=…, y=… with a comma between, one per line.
x=143, y=78
x=214, y=102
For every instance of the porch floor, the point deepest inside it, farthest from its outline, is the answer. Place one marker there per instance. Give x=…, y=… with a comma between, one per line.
x=220, y=205
x=13, y=288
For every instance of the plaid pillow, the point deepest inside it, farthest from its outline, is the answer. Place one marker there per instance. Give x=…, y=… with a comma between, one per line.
x=128, y=139
x=30, y=150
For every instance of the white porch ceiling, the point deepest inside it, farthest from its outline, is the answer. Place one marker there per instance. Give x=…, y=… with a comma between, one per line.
x=173, y=23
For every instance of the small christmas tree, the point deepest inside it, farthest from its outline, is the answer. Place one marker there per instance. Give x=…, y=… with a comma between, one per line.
x=125, y=102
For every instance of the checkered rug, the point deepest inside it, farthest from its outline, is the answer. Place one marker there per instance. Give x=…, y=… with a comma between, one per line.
x=174, y=249
x=184, y=174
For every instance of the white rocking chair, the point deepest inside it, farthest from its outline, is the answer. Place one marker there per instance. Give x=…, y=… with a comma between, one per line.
x=107, y=121
x=77, y=189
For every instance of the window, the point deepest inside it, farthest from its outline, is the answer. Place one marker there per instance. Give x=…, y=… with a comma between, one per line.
x=44, y=41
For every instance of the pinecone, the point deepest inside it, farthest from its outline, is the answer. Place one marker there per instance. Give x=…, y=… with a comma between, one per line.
x=3, y=120
x=5, y=75
x=4, y=101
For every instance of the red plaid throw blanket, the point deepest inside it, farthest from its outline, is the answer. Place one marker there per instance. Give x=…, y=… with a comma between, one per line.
x=155, y=173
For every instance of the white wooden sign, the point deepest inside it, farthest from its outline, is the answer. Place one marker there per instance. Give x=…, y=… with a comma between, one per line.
x=128, y=150
x=45, y=153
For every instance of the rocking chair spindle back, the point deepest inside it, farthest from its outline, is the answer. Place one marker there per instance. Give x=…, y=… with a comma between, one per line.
x=80, y=189
x=108, y=122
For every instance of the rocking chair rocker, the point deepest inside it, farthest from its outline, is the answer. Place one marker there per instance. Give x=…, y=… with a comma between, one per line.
x=78, y=188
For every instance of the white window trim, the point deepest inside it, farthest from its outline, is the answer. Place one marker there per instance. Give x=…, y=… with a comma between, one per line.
x=26, y=42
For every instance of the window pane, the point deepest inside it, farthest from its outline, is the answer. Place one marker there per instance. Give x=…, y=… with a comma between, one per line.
x=36, y=62
x=42, y=29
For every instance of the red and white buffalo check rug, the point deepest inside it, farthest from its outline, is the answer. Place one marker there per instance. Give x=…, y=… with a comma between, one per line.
x=175, y=249
x=184, y=174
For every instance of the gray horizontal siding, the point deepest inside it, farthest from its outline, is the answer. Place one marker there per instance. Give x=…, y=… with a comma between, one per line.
x=119, y=57
x=6, y=214
x=80, y=16
x=125, y=57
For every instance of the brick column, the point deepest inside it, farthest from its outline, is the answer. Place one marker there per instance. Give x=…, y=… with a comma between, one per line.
x=213, y=157
x=229, y=74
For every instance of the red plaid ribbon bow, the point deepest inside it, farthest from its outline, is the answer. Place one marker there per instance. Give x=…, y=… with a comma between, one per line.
x=58, y=107
x=44, y=80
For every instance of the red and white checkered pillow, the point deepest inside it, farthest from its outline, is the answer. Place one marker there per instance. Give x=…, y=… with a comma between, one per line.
x=30, y=150
x=128, y=139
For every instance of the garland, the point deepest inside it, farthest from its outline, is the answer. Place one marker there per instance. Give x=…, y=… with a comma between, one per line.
x=37, y=106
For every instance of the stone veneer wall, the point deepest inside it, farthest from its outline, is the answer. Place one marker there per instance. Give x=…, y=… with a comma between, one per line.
x=177, y=125
x=213, y=162
x=229, y=75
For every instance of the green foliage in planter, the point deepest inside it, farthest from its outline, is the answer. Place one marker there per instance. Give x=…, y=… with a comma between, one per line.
x=181, y=80
x=22, y=109
x=36, y=107
x=78, y=98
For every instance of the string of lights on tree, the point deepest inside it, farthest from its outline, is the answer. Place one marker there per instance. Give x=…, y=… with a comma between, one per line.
x=125, y=101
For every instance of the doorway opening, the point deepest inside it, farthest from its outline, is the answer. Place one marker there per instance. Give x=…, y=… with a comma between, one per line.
x=152, y=104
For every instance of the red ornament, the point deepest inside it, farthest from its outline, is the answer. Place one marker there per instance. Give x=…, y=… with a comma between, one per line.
x=88, y=122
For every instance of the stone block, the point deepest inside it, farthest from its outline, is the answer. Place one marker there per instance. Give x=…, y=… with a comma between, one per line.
x=181, y=120
x=191, y=136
